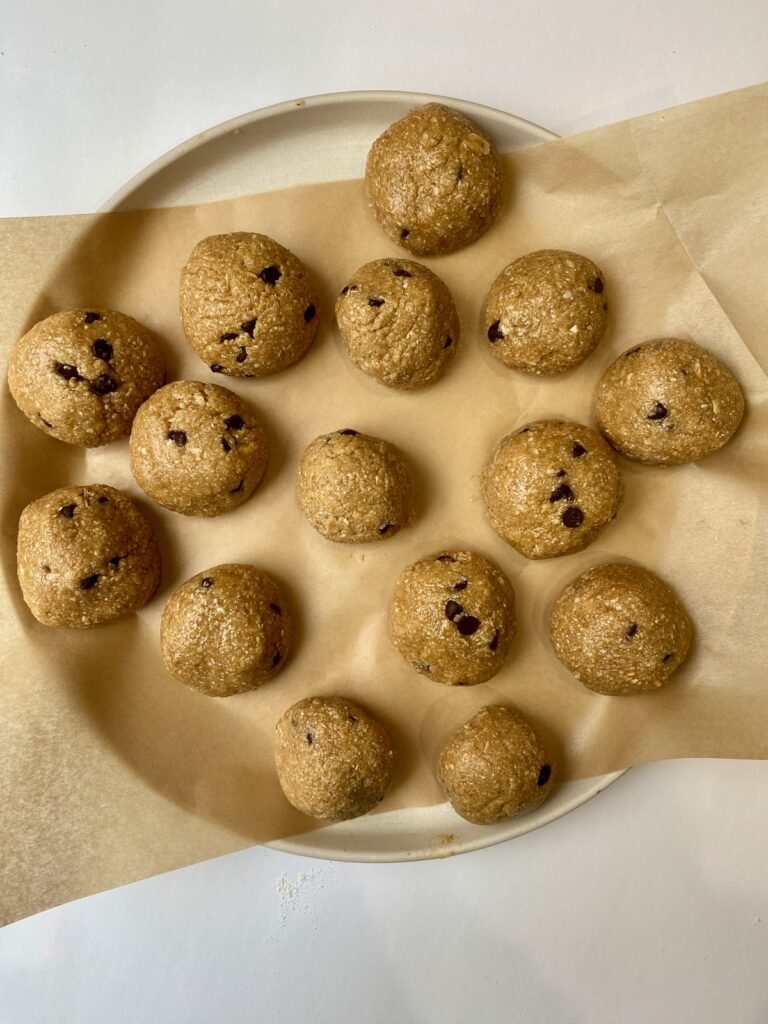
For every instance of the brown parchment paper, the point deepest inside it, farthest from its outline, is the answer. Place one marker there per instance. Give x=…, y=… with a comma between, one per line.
x=111, y=771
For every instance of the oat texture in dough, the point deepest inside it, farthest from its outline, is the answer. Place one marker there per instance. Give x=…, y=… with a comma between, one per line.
x=86, y=555
x=551, y=487
x=452, y=617
x=398, y=322
x=354, y=488
x=495, y=766
x=620, y=629
x=226, y=630
x=334, y=761
x=248, y=305
x=546, y=312
x=80, y=375
x=197, y=449
x=668, y=401
x=434, y=180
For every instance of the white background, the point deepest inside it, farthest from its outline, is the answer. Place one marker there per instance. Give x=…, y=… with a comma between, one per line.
x=648, y=904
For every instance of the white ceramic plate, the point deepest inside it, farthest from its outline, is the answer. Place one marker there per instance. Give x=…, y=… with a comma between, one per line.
x=325, y=138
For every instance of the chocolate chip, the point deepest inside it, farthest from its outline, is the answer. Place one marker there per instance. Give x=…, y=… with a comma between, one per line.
x=90, y=317
x=102, y=349
x=270, y=275
x=249, y=327
x=348, y=288
x=421, y=666
x=572, y=517
x=597, y=285
x=384, y=527
x=234, y=422
x=460, y=174
x=236, y=490
x=468, y=625
x=459, y=585
x=179, y=437
x=560, y=493
x=67, y=371
x=561, y=473
x=445, y=558
x=666, y=657
x=206, y=582
x=401, y=273
x=348, y=432
x=116, y=560
x=659, y=412
x=226, y=445
x=276, y=608
x=242, y=355
x=579, y=450
x=632, y=631
x=47, y=424
x=89, y=581
x=217, y=368
x=309, y=313
x=102, y=500
x=448, y=342
x=453, y=610
x=494, y=641
x=310, y=738
x=104, y=384
x=231, y=336
x=404, y=232
x=494, y=333
x=374, y=301
x=68, y=511
x=544, y=774
x=277, y=659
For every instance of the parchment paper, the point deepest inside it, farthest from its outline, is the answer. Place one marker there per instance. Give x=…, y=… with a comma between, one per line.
x=111, y=771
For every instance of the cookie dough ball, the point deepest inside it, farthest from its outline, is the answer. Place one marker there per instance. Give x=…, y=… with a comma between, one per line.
x=80, y=375
x=398, y=322
x=434, y=180
x=495, y=766
x=620, y=629
x=546, y=312
x=86, y=555
x=334, y=760
x=248, y=306
x=453, y=617
x=197, y=449
x=551, y=488
x=226, y=630
x=668, y=401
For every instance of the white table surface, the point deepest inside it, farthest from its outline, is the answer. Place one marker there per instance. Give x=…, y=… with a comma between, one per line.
x=648, y=904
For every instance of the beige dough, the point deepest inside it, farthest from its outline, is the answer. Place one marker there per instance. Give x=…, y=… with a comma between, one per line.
x=546, y=312
x=668, y=401
x=333, y=760
x=80, y=375
x=495, y=766
x=551, y=487
x=398, y=322
x=620, y=629
x=86, y=555
x=354, y=488
x=248, y=306
x=433, y=180
x=452, y=617
x=197, y=449
x=226, y=630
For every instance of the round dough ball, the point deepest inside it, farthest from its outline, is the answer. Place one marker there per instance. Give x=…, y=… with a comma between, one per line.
x=197, y=449
x=354, y=488
x=434, y=180
x=620, y=629
x=495, y=766
x=86, y=555
x=398, y=322
x=333, y=760
x=453, y=617
x=551, y=488
x=546, y=312
x=80, y=375
x=668, y=401
x=226, y=630
x=248, y=306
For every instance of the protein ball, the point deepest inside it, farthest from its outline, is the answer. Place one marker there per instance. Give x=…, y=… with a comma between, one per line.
x=226, y=630
x=398, y=322
x=86, y=555
x=546, y=312
x=452, y=617
x=495, y=767
x=354, y=488
x=668, y=401
x=80, y=375
x=248, y=306
x=197, y=449
x=551, y=488
x=620, y=629
x=334, y=761
x=434, y=180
